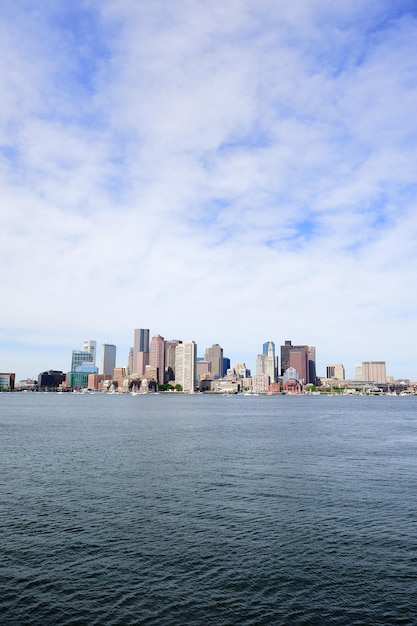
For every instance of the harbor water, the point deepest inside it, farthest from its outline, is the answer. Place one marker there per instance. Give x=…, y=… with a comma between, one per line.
x=207, y=510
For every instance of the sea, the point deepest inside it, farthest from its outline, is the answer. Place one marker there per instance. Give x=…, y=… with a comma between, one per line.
x=177, y=509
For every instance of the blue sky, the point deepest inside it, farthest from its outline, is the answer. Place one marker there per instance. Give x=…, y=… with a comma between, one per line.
x=231, y=173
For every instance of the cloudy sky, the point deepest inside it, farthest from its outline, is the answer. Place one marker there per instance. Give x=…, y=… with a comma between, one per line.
x=229, y=172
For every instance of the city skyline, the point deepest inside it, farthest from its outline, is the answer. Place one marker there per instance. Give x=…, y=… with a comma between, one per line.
x=225, y=172
x=301, y=358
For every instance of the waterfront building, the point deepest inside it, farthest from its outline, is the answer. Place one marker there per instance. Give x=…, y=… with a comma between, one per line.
x=157, y=357
x=374, y=371
x=90, y=345
x=215, y=356
x=260, y=383
x=151, y=373
x=77, y=379
x=7, y=380
x=291, y=381
x=51, y=379
x=140, y=350
x=119, y=376
x=95, y=381
x=336, y=371
x=108, y=359
x=186, y=365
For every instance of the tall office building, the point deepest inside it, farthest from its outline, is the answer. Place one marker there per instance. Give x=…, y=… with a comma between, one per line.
x=108, y=359
x=285, y=357
x=90, y=345
x=215, y=356
x=299, y=361
x=140, y=350
x=157, y=356
x=374, y=371
x=186, y=365
x=260, y=364
x=271, y=368
x=302, y=358
x=80, y=358
x=312, y=374
x=170, y=347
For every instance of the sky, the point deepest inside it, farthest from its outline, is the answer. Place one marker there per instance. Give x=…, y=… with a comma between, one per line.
x=227, y=172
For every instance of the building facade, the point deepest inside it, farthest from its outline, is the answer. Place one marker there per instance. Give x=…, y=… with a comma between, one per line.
x=215, y=356
x=51, y=379
x=170, y=347
x=90, y=345
x=299, y=361
x=291, y=381
x=336, y=371
x=157, y=357
x=186, y=366
x=374, y=371
x=302, y=358
x=108, y=359
x=7, y=380
x=79, y=358
x=260, y=383
x=140, y=350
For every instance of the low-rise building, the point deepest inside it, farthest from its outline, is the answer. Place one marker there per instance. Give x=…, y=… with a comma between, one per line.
x=7, y=380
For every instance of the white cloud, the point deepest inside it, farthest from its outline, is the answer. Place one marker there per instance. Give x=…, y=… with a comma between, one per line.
x=228, y=172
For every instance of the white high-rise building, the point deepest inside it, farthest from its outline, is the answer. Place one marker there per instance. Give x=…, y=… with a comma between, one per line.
x=108, y=359
x=270, y=367
x=186, y=365
x=90, y=345
x=261, y=364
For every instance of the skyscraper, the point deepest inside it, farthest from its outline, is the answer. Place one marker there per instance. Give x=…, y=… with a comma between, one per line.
x=108, y=359
x=299, y=361
x=170, y=347
x=215, y=356
x=90, y=345
x=186, y=365
x=270, y=364
x=285, y=357
x=302, y=358
x=157, y=356
x=260, y=364
x=140, y=350
x=312, y=374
